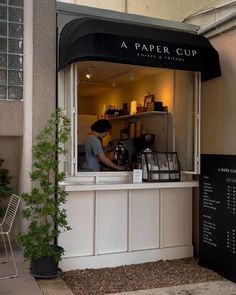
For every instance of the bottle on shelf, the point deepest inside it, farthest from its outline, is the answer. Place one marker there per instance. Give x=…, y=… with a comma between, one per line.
x=137, y=169
x=125, y=110
x=138, y=129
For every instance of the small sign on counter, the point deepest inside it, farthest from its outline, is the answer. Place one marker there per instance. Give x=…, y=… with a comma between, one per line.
x=137, y=175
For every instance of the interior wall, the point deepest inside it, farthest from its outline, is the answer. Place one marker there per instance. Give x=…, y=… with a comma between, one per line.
x=160, y=85
x=85, y=105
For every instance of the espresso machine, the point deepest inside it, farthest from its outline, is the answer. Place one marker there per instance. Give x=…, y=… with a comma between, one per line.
x=118, y=152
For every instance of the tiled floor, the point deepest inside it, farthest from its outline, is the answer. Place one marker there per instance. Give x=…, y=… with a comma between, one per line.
x=25, y=284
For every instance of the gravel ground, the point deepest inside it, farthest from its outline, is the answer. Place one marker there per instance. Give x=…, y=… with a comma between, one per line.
x=138, y=277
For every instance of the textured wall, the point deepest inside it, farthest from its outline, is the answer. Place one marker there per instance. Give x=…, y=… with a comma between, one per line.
x=168, y=9
x=39, y=76
x=11, y=118
x=219, y=103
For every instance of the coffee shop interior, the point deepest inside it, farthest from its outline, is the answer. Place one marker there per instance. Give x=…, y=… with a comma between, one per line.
x=150, y=109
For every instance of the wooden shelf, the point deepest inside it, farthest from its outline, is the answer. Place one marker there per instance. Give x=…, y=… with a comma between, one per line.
x=144, y=114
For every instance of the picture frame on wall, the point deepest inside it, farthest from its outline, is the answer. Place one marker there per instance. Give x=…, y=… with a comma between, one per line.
x=148, y=99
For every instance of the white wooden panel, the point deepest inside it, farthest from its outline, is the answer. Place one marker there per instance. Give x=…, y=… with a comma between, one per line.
x=176, y=217
x=144, y=219
x=111, y=221
x=125, y=258
x=80, y=216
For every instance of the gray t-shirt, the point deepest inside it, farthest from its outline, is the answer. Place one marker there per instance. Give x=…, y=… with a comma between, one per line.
x=93, y=148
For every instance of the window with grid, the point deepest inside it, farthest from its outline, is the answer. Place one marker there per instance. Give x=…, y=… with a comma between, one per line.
x=11, y=49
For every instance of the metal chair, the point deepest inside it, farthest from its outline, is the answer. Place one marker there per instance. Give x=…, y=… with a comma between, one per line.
x=5, y=228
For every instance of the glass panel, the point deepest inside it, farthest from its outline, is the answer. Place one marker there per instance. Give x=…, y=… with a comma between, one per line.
x=3, y=60
x=3, y=77
x=15, y=46
x=3, y=13
x=15, y=15
x=15, y=62
x=3, y=92
x=3, y=44
x=15, y=93
x=15, y=78
x=16, y=2
x=3, y=28
x=173, y=161
x=16, y=31
x=3, y=1
x=163, y=164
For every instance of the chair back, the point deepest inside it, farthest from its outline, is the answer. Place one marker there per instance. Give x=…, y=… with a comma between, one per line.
x=11, y=211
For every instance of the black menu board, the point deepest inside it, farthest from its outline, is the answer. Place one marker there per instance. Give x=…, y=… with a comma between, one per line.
x=217, y=245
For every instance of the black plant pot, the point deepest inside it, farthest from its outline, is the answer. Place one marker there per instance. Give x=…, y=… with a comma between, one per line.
x=44, y=267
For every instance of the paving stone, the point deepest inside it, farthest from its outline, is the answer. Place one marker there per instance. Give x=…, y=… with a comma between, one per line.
x=54, y=286
x=209, y=288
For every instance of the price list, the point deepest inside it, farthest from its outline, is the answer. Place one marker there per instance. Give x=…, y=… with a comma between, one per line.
x=231, y=240
x=231, y=197
x=217, y=208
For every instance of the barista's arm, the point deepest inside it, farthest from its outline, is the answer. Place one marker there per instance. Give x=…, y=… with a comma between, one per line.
x=102, y=157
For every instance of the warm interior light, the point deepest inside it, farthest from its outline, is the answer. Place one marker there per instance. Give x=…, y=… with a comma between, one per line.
x=113, y=84
x=89, y=74
x=133, y=107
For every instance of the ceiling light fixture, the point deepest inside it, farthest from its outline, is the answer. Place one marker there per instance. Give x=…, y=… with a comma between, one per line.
x=89, y=74
x=131, y=75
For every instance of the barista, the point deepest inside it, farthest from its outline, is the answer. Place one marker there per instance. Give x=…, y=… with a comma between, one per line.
x=94, y=150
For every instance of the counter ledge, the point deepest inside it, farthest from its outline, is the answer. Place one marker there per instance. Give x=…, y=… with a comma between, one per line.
x=75, y=186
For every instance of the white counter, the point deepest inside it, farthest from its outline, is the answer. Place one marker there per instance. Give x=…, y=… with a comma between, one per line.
x=75, y=186
x=123, y=223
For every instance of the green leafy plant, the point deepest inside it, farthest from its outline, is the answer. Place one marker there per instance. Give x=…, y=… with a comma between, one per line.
x=5, y=187
x=47, y=219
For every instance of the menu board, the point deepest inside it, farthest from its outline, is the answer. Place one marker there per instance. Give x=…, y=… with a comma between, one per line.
x=217, y=214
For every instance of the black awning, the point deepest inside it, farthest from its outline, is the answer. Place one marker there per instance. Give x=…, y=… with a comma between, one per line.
x=102, y=40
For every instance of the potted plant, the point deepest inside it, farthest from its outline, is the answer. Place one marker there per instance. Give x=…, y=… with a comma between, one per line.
x=46, y=218
x=5, y=187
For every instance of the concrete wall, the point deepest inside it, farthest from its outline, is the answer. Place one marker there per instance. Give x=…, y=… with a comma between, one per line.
x=219, y=102
x=168, y=9
x=39, y=76
x=11, y=118
x=39, y=79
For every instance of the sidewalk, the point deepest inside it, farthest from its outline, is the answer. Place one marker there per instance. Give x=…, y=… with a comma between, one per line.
x=25, y=284
x=208, y=288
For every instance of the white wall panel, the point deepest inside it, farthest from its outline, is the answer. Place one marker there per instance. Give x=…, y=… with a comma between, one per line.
x=80, y=216
x=176, y=217
x=144, y=219
x=111, y=218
